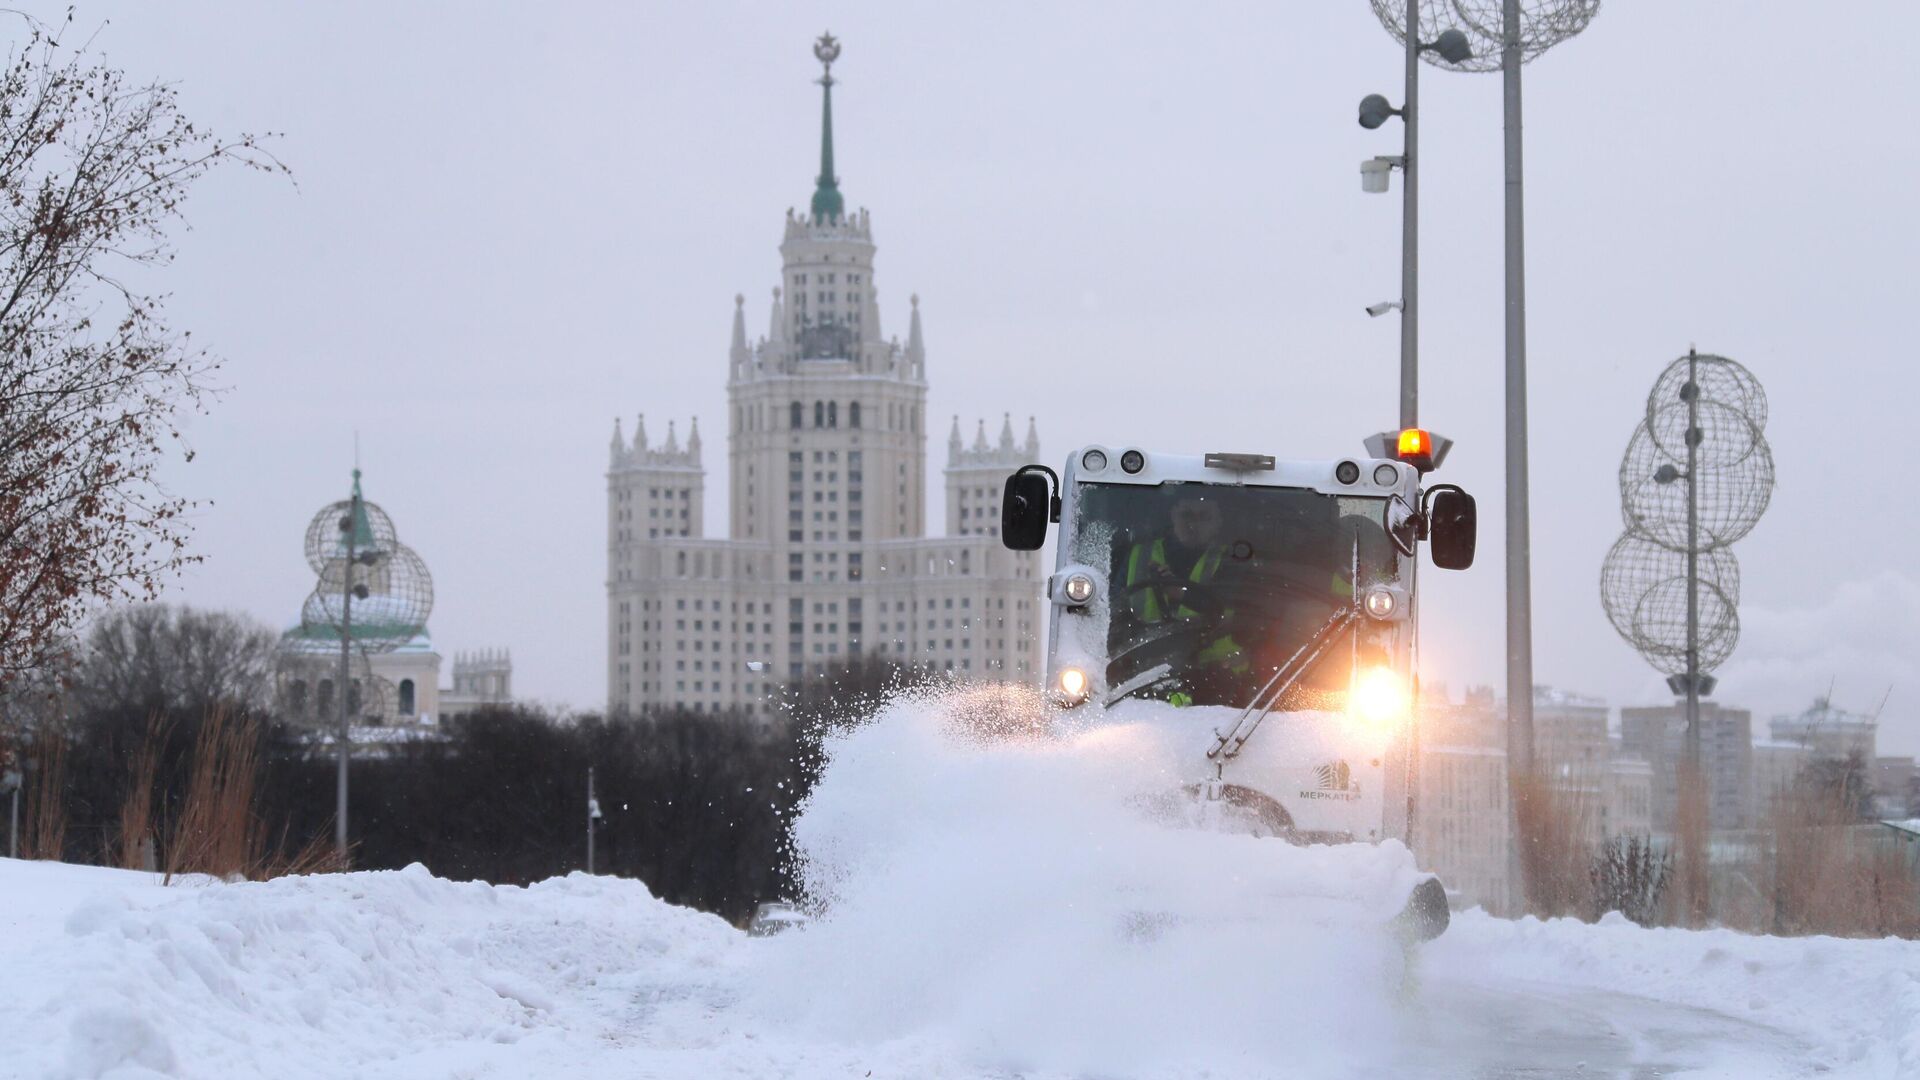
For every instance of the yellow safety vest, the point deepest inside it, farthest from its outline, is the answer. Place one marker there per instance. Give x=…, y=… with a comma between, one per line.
x=1143, y=585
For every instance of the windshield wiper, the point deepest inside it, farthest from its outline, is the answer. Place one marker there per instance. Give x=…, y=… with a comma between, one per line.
x=1227, y=744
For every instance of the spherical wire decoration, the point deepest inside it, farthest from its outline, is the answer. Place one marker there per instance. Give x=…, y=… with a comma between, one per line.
x=1543, y=24
x=1643, y=587
x=1720, y=380
x=392, y=598
x=327, y=540
x=1696, y=477
x=1733, y=474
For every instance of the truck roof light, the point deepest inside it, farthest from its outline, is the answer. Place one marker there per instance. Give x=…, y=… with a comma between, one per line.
x=1415, y=447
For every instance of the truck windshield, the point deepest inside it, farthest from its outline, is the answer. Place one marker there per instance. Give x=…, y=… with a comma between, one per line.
x=1213, y=587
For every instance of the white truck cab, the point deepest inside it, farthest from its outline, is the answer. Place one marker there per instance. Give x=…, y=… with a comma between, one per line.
x=1263, y=608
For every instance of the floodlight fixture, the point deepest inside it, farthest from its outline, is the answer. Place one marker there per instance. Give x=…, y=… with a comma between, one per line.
x=1384, y=306
x=1452, y=46
x=1374, y=173
x=1375, y=109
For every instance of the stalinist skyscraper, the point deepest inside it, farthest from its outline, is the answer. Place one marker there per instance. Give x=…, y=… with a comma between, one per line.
x=826, y=557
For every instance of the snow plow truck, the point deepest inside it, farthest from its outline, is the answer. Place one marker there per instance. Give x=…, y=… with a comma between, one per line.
x=1268, y=609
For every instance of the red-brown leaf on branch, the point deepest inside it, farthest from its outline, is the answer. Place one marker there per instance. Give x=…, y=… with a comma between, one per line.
x=93, y=171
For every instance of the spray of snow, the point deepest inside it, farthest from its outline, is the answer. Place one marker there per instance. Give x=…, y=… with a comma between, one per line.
x=1017, y=897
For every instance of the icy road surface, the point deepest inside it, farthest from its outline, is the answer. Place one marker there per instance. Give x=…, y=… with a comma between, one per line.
x=998, y=910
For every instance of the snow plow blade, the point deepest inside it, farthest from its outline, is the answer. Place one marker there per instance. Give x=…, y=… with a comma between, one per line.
x=1426, y=916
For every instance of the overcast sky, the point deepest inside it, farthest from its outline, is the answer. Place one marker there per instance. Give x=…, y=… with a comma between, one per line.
x=513, y=223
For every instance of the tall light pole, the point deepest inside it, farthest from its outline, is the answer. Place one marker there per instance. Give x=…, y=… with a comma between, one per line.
x=1453, y=47
x=1515, y=31
x=1696, y=477
x=344, y=734
x=593, y=815
x=373, y=595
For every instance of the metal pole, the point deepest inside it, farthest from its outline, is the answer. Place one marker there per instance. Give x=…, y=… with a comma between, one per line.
x=1410, y=233
x=13, y=826
x=346, y=646
x=1692, y=394
x=1519, y=574
x=589, y=819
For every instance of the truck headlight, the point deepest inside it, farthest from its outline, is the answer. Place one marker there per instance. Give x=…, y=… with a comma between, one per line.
x=1384, y=602
x=1073, y=686
x=1079, y=588
x=1379, y=698
x=1381, y=603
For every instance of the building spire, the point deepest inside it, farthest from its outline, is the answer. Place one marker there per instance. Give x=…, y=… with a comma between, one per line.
x=827, y=204
x=916, y=345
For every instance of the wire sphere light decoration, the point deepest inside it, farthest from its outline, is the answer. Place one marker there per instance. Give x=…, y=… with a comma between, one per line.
x=327, y=536
x=1733, y=485
x=353, y=546
x=392, y=598
x=1643, y=587
x=1696, y=476
x=1543, y=24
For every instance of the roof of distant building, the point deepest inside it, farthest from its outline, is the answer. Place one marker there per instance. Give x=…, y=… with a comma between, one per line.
x=1551, y=695
x=1822, y=714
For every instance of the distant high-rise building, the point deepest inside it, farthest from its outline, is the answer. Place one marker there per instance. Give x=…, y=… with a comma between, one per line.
x=826, y=558
x=1656, y=734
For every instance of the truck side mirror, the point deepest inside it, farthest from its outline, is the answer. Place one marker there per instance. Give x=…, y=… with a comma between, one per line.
x=1453, y=527
x=1025, y=509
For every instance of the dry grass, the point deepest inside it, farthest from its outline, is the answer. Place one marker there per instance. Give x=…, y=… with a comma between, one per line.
x=43, y=834
x=1691, y=900
x=1556, y=857
x=1827, y=878
x=218, y=832
x=137, y=838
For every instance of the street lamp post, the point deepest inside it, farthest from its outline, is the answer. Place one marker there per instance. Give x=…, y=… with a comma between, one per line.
x=343, y=737
x=1504, y=35
x=1452, y=46
x=593, y=815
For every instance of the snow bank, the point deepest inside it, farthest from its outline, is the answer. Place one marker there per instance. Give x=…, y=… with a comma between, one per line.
x=357, y=974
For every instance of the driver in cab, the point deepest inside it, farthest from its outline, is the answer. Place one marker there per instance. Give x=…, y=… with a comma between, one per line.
x=1168, y=579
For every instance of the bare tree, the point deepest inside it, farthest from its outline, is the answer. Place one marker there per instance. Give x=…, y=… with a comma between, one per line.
x=93, y=172
x=175, y=660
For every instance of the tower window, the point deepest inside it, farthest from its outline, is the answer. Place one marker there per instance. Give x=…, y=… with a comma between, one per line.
x=796, y=415
x=853, y=414
x=819, y=414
